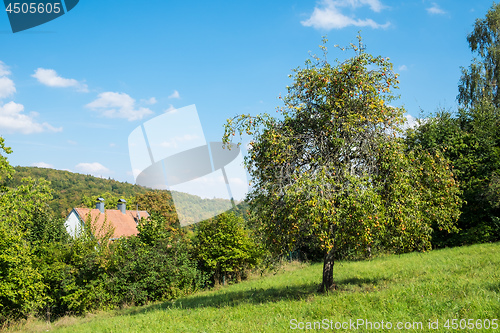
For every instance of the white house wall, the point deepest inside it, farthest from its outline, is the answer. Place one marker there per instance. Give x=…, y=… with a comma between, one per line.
x=73, y=224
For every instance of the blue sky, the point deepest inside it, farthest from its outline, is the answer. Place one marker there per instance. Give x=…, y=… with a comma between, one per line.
x=73, y=89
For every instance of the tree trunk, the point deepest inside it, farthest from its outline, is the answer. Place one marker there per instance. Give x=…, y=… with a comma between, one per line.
x=327, y=283
x=217, y=276
x=238, y=276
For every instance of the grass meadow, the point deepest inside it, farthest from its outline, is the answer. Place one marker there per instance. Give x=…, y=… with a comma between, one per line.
x=405, y=290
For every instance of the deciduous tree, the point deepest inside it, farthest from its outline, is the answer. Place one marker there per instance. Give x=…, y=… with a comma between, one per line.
x=224, y=247
x=332, y=169
x=480, y=81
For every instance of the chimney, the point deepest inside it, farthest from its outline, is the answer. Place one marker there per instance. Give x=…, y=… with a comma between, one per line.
x=100, y=204
x=122, y=205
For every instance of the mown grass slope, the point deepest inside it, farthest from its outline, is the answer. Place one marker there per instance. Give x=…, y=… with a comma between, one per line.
x=458, y=283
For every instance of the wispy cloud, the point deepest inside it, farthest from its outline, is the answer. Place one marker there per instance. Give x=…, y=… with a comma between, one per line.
x=7, y=86
x=402, y=68
x=178, y=139
x=118, y=105
x=50, y=78
x=171, y=108
x=4, y=69
x=43, y=165
x=435, y=9
x=150, y=101
x=328, y=15
x=14, y=120
x=175, y=94
x=96, y=169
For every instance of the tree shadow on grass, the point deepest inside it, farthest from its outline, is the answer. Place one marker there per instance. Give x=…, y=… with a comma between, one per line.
x=225, y=297
x=495, y=287
x=355, y=284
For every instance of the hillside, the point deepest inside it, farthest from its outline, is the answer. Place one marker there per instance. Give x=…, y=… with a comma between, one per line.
x=458, y=283
x=69, y=189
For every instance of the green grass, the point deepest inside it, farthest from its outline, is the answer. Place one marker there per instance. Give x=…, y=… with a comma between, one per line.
x=458, y=283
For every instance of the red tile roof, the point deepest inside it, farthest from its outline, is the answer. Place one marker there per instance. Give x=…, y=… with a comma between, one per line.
x=124, y=224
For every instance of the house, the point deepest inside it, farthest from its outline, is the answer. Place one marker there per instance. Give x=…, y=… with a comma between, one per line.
x=124, y=222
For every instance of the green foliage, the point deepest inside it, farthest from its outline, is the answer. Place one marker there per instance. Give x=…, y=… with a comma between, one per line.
x=160, y=202
x=470, y=140
x=59, y=277
x=480, y=81
x=421, y=196
x=197, y=209
x=22, y=291
x=86, y=258
x=6, y=169
x=90, y=272
x=333, y=171
x=157, y=228
x=161, y=270
x=224, y=247
x=19, y=206
x=493, y=191
x=476, y=156
x=26, y=207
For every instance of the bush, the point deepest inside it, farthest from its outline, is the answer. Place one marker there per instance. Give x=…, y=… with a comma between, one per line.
x=224, y=247
x=21, y=286
x=154, y=266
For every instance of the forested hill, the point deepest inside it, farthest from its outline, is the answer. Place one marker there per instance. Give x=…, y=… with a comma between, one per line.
x=77, y=190
x=70, y=188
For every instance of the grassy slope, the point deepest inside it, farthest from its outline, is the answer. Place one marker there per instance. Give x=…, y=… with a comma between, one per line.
x=445, y=284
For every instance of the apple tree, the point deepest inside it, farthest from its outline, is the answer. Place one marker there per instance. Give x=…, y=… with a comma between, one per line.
x=333, y=170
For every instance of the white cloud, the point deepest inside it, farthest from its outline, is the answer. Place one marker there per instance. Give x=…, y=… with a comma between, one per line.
x=411, y=122
x=4, y=69
x=96, y=169
x=150, y=101
x=178, y=139
x=171, y=108
x=43, y=165
x=118, y=105
x=7, y=87
x=329, y=16
x=175, y=94
x=12, y=119
x=402, y=68
x=435, y=9
x=50, y=78
x=375, y=5
x=71, y=142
